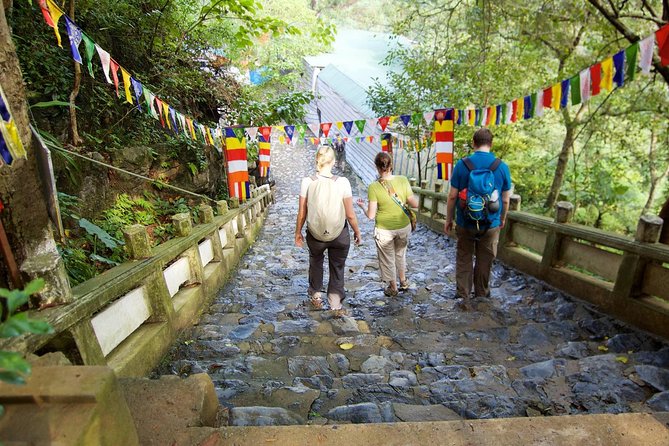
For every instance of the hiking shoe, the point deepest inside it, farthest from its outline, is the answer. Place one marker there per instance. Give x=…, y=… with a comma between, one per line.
x=404, y=285
x=316, y=300
x=390, y=292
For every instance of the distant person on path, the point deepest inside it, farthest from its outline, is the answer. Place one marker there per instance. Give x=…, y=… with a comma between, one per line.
x=339, y=146
x=388, y=198
x=326, y=204
x=478, y=222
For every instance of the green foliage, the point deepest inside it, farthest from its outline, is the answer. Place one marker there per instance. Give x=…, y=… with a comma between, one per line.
x=14, y=369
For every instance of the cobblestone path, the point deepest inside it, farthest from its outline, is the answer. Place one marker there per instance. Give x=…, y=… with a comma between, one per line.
x=526, y=351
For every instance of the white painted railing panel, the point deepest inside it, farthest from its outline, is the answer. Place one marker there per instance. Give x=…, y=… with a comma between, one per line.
x=235, y=227
x=223, y=235
x=206, y=252
x=120, y=319
x=243, y=220
x=176, y=274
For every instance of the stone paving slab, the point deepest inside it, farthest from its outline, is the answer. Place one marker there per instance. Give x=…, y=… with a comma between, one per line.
x=528, y=350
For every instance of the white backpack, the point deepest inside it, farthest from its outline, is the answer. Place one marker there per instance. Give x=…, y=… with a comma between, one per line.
x=325, y=209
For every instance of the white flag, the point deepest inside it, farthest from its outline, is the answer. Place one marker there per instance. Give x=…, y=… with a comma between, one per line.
x=585, y=84
x=646, y=48
x=105, y=60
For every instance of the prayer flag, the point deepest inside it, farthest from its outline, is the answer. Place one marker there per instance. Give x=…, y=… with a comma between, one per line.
x=547, y=97
x=607, y=74
x=301, y=130
x=539, y=103
x=266, y=132
x=238, y=175
x=114, y=71
x=584, y=84
x=428, y=117
x=416, y=119
x=126, y=85
x=339, y=124
x=360, y=124
x=619, y=68
x=239, y=132
x=74, y=33
x=443, y=143
x=514, y=111
x=527, y=107
x=290, y=131
x=46, y=14
x=264, y=147
x=596, y=78
x=383, y=122
x=646, y=47
x=348, y=126
x=253, y=131
x=148, y=100
x=405, y=119
x=104, y=61
x=498, y=115
x=662, y=36
x=631, y=53
x=371, y=123
x=520, y=110
x=564, y=93
x=89, y=46
x=55, y=13
x=315, y=129
x=385, y=142
x=325, y=127
x=575, y=86
x=556, y=94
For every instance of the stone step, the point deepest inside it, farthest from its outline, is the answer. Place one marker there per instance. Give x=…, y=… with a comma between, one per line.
x=163, y=407
x=596, y=430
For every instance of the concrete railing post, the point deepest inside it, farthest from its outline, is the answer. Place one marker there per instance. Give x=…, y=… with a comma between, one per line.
x=233, y=203
x=421, y=197
x=206, y=214
x=564, y=212
x=50, y=267
x=412, y=182
x=434, y=211
x=221, y=207
x=514, y=202
x=182, y=224
x=137, y=242
x=632, y=267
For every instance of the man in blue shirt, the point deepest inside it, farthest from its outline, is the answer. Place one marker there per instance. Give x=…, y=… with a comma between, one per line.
x=472, y=240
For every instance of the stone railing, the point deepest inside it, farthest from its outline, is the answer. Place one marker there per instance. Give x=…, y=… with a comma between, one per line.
x=129, y=316
x=625, y=277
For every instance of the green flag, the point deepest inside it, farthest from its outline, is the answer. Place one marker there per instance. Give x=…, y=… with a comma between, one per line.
x=239, y=133
x=575, y=87
x=360, y=124
x=631, y=59
x=90, y=50
x=301, y=130
x=416, y=119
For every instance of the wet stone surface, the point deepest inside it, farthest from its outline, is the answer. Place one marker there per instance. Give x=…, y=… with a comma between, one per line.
x=528, y=350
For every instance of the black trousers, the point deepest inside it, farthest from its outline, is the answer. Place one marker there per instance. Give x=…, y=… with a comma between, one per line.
x=337, y=252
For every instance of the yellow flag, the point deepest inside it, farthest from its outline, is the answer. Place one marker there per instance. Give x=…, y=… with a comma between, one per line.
x=391, y=120
x=166, y=112
x=520, y=110
x=339, y=124
x=56, y=13
x=126, y=85
x=607, y=74
x=556, y=96
x=11, y=135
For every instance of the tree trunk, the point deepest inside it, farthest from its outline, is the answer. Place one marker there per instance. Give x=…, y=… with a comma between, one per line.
x=664, y=215
x=655, y=179
x=563, y=159
x=74, y=131
x=25, y=216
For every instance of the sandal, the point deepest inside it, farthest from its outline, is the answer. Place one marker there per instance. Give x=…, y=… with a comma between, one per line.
x=390, y=292
x=316, y=301
x=404, y=285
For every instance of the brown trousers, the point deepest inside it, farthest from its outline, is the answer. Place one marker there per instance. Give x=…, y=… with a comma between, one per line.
x=466, y=271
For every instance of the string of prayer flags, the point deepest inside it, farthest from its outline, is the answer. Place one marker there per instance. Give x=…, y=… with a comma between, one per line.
x=264, y=146
x=11, y=147
x=385, y=142
x=238, y=174
x=55, y=14
x=443, y=142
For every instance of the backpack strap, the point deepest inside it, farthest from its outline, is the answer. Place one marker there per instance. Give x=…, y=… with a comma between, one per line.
x=469, y=164
x=495, y=164
x=314, y=177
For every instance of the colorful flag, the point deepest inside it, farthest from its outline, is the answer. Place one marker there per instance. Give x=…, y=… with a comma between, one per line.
x=89, y=46
x=315, y=129
x=114, y=66
x=339, y=125
x=264, y=147
x=405, y=119
x=105, y=59
x=539, y=103
x=266, y=132
x=548, y=97
x=11, y=146
x=514, y=111
x=556, y=96
x=428, y=117
x=596, y=78
x=498, y=115
x=370, y=139
x=416, y=119
x=575, y=88
x=290, y=131
x=74, y=33
x=631, y=54
x=584, y=84
x=619, y=68
x=46, y=14
x=371, y=123
x=301, y=130
x=662, y=36
x=443, y=143
x=238, y=174
x=607, y=74
x=528, y=109
x=385, y=142
x=325, y=127
x=148, y=100
x=508, y=112
x=383, y=122
x=477, y=117
x=564, y=93
x=646, y=48
x=126, y=85
x=360, y=124
x=55, y=13
x=348, y=125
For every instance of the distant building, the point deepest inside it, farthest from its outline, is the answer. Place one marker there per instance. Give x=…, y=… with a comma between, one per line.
x=340, y=81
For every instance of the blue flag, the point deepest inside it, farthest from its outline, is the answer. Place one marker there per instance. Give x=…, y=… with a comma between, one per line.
x=139, y=90
x=74, y=33
x=405, y=119
x=348, y=125
x=619, y=66
x=565, y=93
x=290, y=131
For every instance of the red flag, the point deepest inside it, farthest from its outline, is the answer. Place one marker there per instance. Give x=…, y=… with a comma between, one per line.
x=662, y=36
x=114, y=70
x=46, y=13
x=595, y=78
x=383, y=122
x=548, y=97
x=325, y=127
x=266, y=132
x=440, y=114
x=514, y=113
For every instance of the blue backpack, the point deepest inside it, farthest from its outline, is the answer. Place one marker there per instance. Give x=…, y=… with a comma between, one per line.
x=480, y=198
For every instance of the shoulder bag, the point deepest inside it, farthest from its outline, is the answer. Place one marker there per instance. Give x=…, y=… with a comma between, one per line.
x=409, y=213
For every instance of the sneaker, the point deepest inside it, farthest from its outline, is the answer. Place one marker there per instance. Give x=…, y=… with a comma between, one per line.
x=404, y=285
x=390, y=292
x=316, y=300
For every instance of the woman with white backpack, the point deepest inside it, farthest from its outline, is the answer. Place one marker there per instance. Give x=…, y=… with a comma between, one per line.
x=326, y=204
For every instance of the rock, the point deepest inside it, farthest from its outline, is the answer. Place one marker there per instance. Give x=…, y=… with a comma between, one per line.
x=435, y=359
x=263, y=416
x=573, y=350
x=295, y=326
x=227, y=389
x=339, y=364
x=654, y=376
x=135, y=158
x=402, y=378
x=532, y=335
x=297, y=399
x=344, y=326
x=306, y=366
x=659, y=402
x=377, y=364
x=357, y=413
x=243, y=331
x=546, y=369
x=432, y=412
x=565, y=310
x=624, y=342
x=355, y=380
x=319, y=382
x=659, y=358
